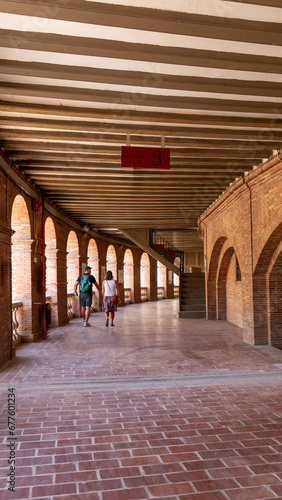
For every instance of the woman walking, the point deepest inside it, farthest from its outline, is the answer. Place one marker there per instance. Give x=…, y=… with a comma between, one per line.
x=111, y=298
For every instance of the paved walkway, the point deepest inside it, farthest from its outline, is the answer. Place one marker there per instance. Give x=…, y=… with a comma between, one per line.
x=156, y=407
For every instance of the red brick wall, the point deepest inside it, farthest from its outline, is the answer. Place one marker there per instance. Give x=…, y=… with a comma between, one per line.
x=247, y=220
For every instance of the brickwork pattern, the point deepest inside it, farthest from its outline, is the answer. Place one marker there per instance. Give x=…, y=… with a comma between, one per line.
x=144, y=431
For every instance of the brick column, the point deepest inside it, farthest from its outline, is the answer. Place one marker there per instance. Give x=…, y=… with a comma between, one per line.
x=153, y=280
x=137, y=277
x=5, y=295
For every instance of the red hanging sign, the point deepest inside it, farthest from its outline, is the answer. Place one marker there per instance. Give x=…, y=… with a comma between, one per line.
x=140, y=157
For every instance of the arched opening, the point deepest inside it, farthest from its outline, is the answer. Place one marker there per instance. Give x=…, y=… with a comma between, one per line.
x=161, y=280
x=111, y=261
x=128, y=267
x=72, y=261
x=265, y=275
x=21, y=271
x=93, y=262
x=212, y=274
x=275, y=303
x=51, y=269
x=176, y=278
x=145, y=270
x=229, y=289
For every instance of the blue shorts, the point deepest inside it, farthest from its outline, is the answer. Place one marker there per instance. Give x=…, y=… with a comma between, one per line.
x=86, y=299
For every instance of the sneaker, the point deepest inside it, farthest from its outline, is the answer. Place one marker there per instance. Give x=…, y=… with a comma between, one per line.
x=84, y=323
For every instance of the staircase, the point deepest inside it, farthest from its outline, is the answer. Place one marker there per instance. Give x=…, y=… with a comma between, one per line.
x=192, y=302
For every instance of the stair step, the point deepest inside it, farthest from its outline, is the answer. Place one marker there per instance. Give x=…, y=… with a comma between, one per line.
x=192, y=314
x=192, y=307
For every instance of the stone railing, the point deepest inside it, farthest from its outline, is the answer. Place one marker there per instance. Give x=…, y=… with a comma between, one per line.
x=160, y=292
x=176, y=291
x=127, y=295
x=15, y=324
x=70, y=297
x=144, y=293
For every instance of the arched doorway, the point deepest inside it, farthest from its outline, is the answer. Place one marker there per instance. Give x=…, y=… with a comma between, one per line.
x=229, y=289
x=128, y=268
x=21, y=271
x=93, y=262
x=275, y=302
x=145, y=270
x=73, y=272
x=51, y=269
x=162, y=280
x=111, y=261
x=176, y=278
x=266, y=301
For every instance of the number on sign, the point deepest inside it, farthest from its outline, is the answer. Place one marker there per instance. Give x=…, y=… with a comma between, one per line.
x=157, y=154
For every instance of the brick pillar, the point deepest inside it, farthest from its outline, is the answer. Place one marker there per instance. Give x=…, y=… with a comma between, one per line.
x=5, y=295
x=121, y=285
x=102, y=275
x=153, y=280
x=137, y=278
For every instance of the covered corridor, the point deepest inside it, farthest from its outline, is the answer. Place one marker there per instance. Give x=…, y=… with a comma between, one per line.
x=157, y=407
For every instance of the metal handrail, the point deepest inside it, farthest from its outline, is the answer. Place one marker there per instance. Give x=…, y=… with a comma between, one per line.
x=166, y=249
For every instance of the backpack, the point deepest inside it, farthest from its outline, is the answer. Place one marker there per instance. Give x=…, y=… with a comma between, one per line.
x=85, y=285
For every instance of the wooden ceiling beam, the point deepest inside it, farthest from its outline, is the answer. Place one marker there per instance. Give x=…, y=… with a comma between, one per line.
x=150, y=19
x=169, y=117
x=137, y=98
x=140, y=78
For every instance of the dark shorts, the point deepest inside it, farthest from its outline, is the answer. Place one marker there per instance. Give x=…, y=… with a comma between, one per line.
x=85, y=299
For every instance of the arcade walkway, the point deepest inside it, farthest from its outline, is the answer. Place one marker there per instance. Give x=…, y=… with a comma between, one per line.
x=155, y=407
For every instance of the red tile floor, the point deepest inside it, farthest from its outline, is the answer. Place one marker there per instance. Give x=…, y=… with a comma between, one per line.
x=155, y=407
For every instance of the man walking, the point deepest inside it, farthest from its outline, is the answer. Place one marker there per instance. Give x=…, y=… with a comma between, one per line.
x=85, y=282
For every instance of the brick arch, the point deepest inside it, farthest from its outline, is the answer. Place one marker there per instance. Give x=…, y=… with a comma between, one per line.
x=51, y=268
x=212, y=274
x=261, y=284
x=145, y=270
x=111, y=260
x=72, y=260
x=21, y=264
x=275, y=301
x=128, y=269
x=221, y=283
x=93, y=257
x=20, y=219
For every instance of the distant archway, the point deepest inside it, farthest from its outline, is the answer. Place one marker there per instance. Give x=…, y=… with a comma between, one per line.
x=72, y=261
x=128, y=267
x=51, y=268
x=161, y=280
x=145, y=282
x=21, y=265
x=111, y=261
x=229, y=289
x=93, y=262
x=212, y=273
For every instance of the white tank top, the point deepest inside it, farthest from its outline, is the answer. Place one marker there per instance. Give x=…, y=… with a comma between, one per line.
x=110, y=288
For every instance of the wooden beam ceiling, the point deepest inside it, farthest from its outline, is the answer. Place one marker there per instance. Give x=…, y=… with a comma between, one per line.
x=77, y=77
